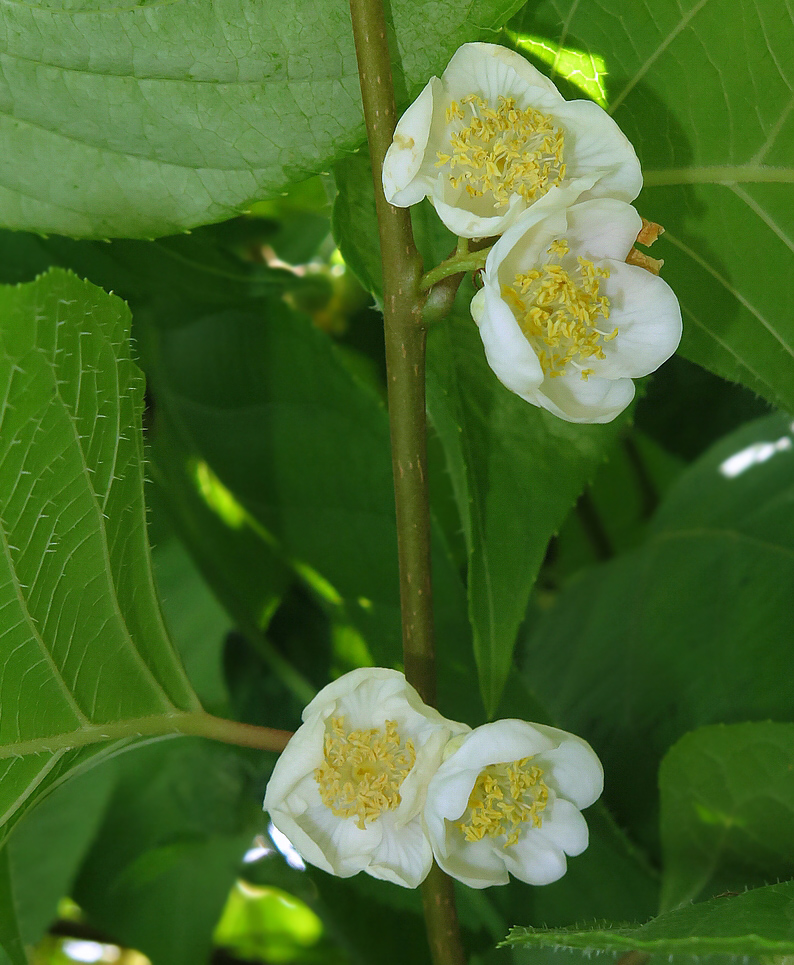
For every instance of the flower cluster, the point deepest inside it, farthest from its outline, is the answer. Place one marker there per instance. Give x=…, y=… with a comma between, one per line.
x=374, y=780
x=566, y=322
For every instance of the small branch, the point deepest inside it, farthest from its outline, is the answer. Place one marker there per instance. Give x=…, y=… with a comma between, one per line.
x=405, y=334
x=459, y=263
x=193, y=723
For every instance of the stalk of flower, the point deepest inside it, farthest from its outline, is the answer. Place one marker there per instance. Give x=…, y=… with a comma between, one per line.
x=349, y=788
x=565, y=322
x=507, y=800
x=493, y=137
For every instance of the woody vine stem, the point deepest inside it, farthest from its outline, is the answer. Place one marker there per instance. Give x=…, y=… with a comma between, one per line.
x=405, y=334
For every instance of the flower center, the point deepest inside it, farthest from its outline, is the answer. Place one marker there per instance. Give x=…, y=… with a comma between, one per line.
x=504, y=798
x=363, y=770
x=505, y=150
x=557, y=310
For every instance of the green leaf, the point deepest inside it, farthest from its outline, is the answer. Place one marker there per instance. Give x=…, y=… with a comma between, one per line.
x=303, y=446
x=516, y=471
x=727, y=810
x=11, y=946
x=45, y=850
x=196, y=621
x=691, y=628
x=759, y=922
x=180, y=819
x=145, y=119
x=704, y=91
x=83, y=648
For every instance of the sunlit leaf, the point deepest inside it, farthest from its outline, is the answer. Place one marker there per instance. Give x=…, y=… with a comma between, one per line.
x=83, y=650
x=704, y=89
x=141, y=119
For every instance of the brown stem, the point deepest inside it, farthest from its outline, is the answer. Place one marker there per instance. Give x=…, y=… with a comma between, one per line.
x=405, y=334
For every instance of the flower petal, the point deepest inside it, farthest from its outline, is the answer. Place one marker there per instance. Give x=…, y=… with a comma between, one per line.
x=303, y=753
x=575, y=400
x=647, y=315
x=602, y=228
x=565, y=827
x=344, y=846
x=403, y=857
x=499, y=742
x=573, y=770
x=508, y=352
x=594, y=143
x=477, y=864
x=493, y=71
x=403, y=160
x=535, y=859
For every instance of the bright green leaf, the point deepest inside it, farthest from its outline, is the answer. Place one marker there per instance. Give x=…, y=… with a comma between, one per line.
x=704, y=90
x=143, y=119
x=691, y=628
x=759, y=922
x=727, y=810
x=83, y=648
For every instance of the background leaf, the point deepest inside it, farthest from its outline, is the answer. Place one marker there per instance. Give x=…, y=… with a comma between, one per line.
x=147, y=119
x=83, y=644
x=516, y=472
x=44, y=851
x=759, y=922
x=727, y=797
x=658, y=641
x=167, y=853
x=302, y=443
x=704, y=89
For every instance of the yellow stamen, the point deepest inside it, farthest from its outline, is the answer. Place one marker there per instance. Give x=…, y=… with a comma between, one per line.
x=363, y=770
x=508, y=150
x=558, y=308
x=505, y=798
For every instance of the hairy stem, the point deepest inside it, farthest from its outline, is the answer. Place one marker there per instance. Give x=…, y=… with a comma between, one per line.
x=405, y=333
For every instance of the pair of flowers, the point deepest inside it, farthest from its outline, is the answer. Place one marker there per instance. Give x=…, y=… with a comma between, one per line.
x=565, y=322
x=375, y=780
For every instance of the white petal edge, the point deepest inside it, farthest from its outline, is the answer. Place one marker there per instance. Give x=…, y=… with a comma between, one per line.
x=403, y=857
x=574, y=770
x=508, y=352
x=477, y=864
x=595, y=144
x=535, y=860
x=602, y=228
x=491, y=70
x=565, y=828
x=406, y=153
x=595, y=401
x=646, y=312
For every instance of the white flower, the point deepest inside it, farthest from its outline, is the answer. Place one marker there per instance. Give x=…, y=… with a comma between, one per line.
x=565, y=322
x=493, y=136
x=508, y=799
x=349, y=788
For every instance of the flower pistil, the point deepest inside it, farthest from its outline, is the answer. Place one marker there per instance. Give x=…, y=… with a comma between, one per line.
x=504, y=150
x=557, y=310
x=362, y=770
x=504, y=798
